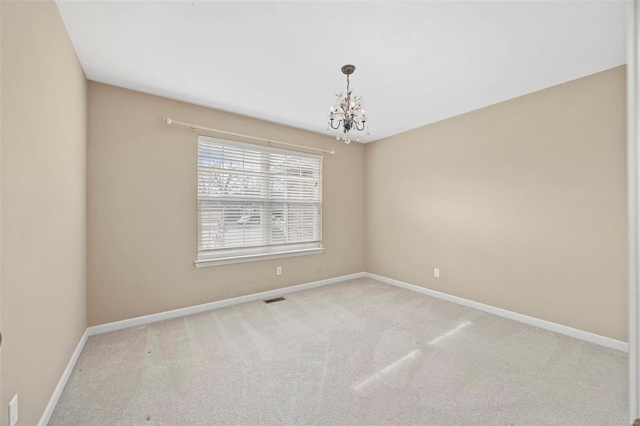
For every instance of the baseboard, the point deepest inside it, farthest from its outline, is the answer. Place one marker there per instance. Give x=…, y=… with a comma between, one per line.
x=540, y=323
x=51, y=405
x=190, y=310
x=547, y=325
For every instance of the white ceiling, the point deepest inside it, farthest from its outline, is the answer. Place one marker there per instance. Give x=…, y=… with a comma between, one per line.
x=417, y=62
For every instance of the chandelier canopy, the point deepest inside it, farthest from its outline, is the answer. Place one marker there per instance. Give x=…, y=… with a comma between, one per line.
x=347, y=115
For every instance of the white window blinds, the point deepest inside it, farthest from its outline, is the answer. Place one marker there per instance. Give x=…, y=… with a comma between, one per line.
x=255, y=201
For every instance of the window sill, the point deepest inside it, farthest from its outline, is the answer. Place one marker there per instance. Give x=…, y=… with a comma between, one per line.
x=203, y=263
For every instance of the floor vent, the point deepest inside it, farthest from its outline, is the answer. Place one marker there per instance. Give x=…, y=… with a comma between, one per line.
x=277, y=299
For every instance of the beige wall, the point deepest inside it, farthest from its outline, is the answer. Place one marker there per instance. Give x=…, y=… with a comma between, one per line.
x=522, y=205
x=142, y=233
x=43, y=205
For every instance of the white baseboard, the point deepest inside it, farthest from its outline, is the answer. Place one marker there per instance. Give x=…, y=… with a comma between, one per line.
x=51, y=405
x=536, y=322
x=190, y=310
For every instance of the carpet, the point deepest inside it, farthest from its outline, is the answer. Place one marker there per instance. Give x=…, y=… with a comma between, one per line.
x=359, y=352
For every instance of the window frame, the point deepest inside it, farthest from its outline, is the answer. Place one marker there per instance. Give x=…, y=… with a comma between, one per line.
x=232, y=255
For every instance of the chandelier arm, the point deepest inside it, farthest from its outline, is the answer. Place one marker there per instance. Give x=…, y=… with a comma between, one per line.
x=337, y=126
x=359, y=129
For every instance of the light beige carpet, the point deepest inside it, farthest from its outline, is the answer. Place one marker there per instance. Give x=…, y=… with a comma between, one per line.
x=354, y=353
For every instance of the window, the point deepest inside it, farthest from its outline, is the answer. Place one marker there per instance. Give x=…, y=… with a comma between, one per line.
x=256, y=202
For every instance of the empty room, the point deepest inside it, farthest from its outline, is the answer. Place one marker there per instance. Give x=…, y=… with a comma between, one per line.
x=319, y=213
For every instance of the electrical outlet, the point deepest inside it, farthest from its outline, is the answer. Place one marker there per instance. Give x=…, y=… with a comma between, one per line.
x=436, y=272
x=13, y=411
x=278, y=270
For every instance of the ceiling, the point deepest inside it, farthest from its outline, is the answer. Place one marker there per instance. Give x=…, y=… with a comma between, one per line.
x=417, y=62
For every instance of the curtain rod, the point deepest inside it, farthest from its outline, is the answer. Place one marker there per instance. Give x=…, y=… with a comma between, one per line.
x=194, y=127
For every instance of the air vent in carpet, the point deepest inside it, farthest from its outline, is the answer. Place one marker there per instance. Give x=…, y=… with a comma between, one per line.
x=277, y=299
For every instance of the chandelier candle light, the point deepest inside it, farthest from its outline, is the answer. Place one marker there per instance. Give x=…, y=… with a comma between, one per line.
x=348, y=112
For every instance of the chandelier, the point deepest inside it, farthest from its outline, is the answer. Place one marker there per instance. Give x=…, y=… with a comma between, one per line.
x=347, y=115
